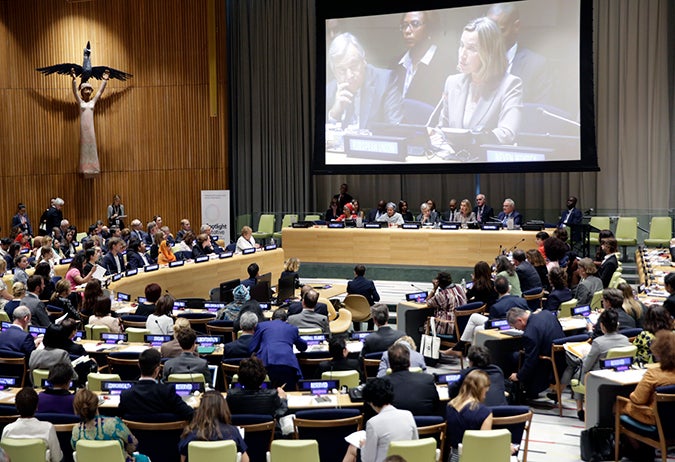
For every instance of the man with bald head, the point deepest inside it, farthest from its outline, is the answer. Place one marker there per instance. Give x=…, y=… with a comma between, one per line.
x=308, y=318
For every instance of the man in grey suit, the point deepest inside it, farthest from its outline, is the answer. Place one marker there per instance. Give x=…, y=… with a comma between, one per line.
x=361, y=94
x=307, y=318
x=527, y=274
x=188, y=362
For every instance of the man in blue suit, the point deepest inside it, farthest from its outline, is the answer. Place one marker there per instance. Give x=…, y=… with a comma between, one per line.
x=273, y=343
x=136, y=256
x=362, y=286
x=506, y=301
x=539, y=331
x=509, y=212
x=113, y=261
x=571, y=216
x=15, y=338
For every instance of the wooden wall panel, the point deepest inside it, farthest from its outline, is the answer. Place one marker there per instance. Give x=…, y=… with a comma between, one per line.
x=157, y=145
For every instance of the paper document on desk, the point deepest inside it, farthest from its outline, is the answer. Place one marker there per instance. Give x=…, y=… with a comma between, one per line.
x=578, y=349
x=355, y=438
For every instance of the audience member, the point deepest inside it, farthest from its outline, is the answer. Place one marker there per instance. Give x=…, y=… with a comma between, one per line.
x=103, y=315
x=61, y=299
x=506, y=300
x=189, y=361
x=656, y=318
x=27, y=426
x=413, y=391
x=15, y=337
x=527, y=274
x=291, y=268
x=184, y=229
x=337, y=347
x=172, y=348
x=20, y=265
x=74, y=274
x=482, y=289
x=160, y=322
x=612, y=299
x=251, y=398
x=113, y=261
x=308, y=319
x=65, y=332
x=231, y=311
x=212, y=422
x=504, y=267
x=362, y=286
x=92, y=292
x=152, y=293
x=479, y=358
x=18, y=292
x=39, y=316
x=51, y=354
x=239, y=348
x=536, y=259
x=295, y=307
x=609, y=263
x=273, y=343
x=416, y=359
x=137, y=256
x=669, y=283
x=560, y=292
x=253, y=269
x=444, y=298
x=57, y=397
x=631, y=305
x=384, y=336
x=589, y=283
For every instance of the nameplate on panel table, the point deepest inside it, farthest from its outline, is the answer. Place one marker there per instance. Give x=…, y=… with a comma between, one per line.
x=132, y=272
x=450, y=225
x=270, y=247
x=336, y=224
x=122, y=297
x=225, y=255
x=65, y=261
x=248, y=251
x=150, y=268
x=173, y=264
x=202, y=259
x=491, y=226
x=117, y=277
x=372, y=226
x=411, y=226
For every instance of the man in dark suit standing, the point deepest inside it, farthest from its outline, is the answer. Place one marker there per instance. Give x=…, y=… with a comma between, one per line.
x=113, y=261
x=273, y=343
x=362, y=286
x=239, y=348
x=15, y=338
x=188, y=362
x=148, y=396
x=413, y=391
x=384, y=336
x=539, y=331
x=343, y=196
x=483, y=212
x=527, y=274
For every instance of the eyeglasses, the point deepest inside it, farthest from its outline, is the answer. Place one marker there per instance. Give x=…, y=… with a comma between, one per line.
x=414, y=24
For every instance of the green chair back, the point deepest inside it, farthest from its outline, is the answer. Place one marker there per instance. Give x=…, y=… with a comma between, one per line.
x=626, y=231
x=4, y=316
x=600, y=223
x=186, y=378
x=486, y=445
x=294, y=451
x=243, y=220
x=596, y=301
x=348, y=378
x=99, y=451
x=566, y=308
x=660, y=232
x=207, y=451
x=38, y=375
x=622, y=352
x=136, y=334
x=312, y=217
x=94, y=332
x=265, y=227
x=422, y=450
x=94, y=380
x=286, y=223
x=24, y=449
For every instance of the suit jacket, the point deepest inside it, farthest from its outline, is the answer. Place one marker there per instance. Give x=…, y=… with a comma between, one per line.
x=149, y=397
x=607, y=269
x=263, y=401
x=380, y=99
x=17, y=339
x=238, y=348
x=427, y=83
x=415, y=392
x=517, y=218
x=109, y=264
x=433, y=217
x=575, y=217
x=140, y=235
x=53, y=218
x=485, y=215
x=497, y=111
x=342, y=200
x=310, y=319
x=381, y=340
x=532, y=69
x=26, y=227
x=39, y=316
x=187, y=363
x=134, y=260
x=273, y=343
x=586, y=288
x=371, y=217
x=541, y=329
x=528, y=276
x=296, y=307
x=362, y=286
x=504, y=304
x=599, y=348
x=556, y=297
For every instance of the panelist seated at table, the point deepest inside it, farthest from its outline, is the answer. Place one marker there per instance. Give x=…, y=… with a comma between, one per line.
x=427, y=216
x=201, y=247
x=392, y=217
x=308, y=318
x=188, y=362
x=539, y=331
x=509, y=212
x=148, y=396
x=246, y=240
x=337, y=347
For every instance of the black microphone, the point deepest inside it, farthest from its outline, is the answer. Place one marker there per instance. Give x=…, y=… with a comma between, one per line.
x=516, y=245
x=418, y=288
x=495, y=219
x=589, y=211
x=160, y=327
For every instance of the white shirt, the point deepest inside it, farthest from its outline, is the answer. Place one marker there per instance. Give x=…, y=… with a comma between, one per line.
x=243, y=243
x=31, y=427
x=411, y=68
x=159, y=325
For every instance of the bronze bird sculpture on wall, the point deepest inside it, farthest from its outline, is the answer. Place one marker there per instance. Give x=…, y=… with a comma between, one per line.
x=86, y=70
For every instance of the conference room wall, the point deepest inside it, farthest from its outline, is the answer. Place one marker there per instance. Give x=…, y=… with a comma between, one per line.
x=157, y=144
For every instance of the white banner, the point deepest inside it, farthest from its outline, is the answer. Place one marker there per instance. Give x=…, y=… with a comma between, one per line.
x=216, y=213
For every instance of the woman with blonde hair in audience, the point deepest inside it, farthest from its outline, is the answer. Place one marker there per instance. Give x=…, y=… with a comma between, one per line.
x=631, y=305
x=211, y=422
x=61, y=299
x=246, y=240
x=18, y=292
x=291, y=268
x=172, y=348
x=5, y=296
x=94, y=426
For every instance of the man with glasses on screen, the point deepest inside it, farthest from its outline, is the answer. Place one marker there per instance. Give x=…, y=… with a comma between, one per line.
x=361, y=94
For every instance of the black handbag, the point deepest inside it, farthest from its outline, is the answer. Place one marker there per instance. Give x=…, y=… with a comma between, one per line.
x=597, y=443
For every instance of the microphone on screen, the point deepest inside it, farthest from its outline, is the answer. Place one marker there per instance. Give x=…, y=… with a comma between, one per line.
x=438, y=106
x=556, y=116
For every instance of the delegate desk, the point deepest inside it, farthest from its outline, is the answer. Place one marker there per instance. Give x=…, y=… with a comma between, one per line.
x=396, y=246
x=602, y=388
x=197, y=279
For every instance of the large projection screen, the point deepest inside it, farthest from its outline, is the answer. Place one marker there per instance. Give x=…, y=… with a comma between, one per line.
x=454, y=87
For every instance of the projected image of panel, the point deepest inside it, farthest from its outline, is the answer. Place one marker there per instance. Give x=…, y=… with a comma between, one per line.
x=469, y=88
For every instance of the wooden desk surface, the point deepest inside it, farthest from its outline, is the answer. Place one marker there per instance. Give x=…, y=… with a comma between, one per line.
x=197, y=279
x=414, y=247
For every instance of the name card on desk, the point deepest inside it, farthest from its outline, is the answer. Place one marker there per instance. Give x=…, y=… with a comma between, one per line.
x=581, y=310
x=270, y=247
x=115, y=388
x=202, y=259
x=65, y=261
x=447, y=378
x=132, y=272
x=150, y=268
x=450, y=225
x=372, y=226
x=117, y=277
x=24, y=251
x=157, y=340
x=213, y=307
x=617, y=364
x=111, y=338
x=225, y=255
x=178, y=305
x=5, y=325
x=410, y=226
x=214, y=237
x=491, y=226
x=7, y=382
x=122, y=297
x=337, y=224
x=248, y=251
x=173, y=264
x=35, y=330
